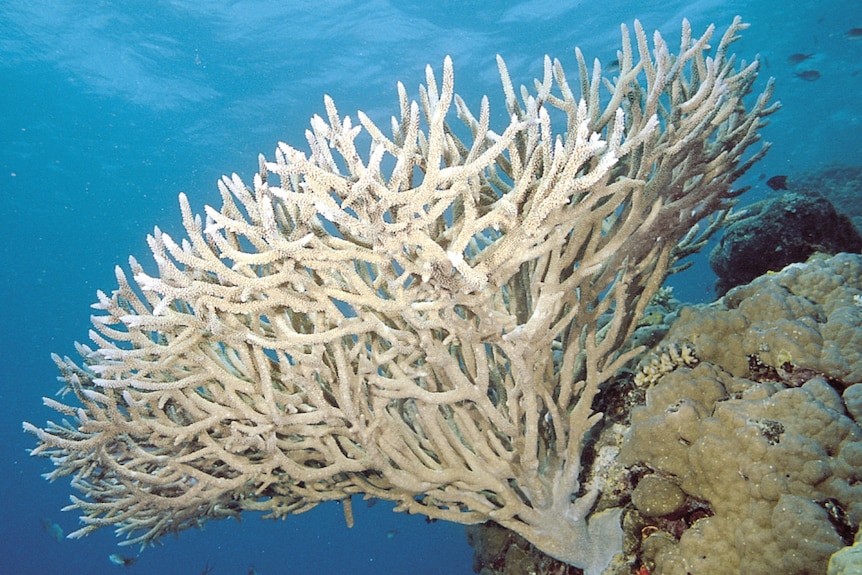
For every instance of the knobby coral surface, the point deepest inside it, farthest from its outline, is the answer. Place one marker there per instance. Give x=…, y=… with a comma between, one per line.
x=426, y=321
x=761, y=440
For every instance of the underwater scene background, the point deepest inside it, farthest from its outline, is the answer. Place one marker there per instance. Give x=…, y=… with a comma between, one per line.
x=110, y=109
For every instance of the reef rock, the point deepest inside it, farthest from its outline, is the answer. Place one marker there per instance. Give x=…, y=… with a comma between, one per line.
x=780, y=231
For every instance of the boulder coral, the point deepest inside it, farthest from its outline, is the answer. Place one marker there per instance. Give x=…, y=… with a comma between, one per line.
x=762, y=436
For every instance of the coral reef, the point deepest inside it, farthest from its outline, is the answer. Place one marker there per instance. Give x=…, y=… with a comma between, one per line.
x=762, y=436
x=428, y=323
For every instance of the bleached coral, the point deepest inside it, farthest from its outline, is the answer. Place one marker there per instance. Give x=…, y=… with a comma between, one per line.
x=417, y=323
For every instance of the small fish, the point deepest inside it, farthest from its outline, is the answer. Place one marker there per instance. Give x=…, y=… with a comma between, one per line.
x=777, y=182
x=808, y=75
x=252, y=570
x=854, y=34
x=53, y=530
x=118, y=559
x=612, y=66
x=652, y=317
x=798, y=57
x=391, y=533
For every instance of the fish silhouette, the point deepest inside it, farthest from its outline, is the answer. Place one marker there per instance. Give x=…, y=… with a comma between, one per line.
x=798, y=57
x=121, y=560
x=777, y=182
x=808, y=75
x=53, y=530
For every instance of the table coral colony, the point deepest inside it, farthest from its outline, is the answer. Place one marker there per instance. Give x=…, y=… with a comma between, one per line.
x=427, y=322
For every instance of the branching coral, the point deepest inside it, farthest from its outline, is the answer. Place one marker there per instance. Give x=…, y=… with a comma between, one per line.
x=427, y=323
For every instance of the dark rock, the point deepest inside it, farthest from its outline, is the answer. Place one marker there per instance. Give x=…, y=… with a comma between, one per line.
x=778, y=232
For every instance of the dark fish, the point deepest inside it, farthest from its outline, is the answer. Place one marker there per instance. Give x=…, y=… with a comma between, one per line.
x=120, y=560
x=854, y=33
x=777, y=182
x=798, y=58
x=808, y=75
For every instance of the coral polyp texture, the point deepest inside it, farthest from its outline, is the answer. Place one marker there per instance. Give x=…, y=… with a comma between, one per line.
x=762, y=436
x=427, y=321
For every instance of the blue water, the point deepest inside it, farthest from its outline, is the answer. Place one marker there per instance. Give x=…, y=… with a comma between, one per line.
x=109, y=109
